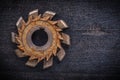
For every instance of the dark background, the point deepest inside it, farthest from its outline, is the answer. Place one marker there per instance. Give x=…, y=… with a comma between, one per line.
x=90, y=57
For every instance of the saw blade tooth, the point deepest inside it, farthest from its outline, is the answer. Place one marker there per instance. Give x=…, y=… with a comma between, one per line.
x=49, y=13
x=31, y=63
x=20, y=22
x=19, y=53
x=61, y=54
x=66, y=38
x=48, y=63
x=13, y=35
x=32, y=58
x=61, y=24
x=33, y=13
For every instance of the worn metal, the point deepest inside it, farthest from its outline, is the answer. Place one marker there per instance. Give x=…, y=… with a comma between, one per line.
x=46, y=52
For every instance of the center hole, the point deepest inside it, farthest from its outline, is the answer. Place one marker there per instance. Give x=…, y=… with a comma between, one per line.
x=39, y=37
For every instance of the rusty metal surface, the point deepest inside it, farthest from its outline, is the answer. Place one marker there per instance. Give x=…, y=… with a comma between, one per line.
x=95, y=50
x=24, y=42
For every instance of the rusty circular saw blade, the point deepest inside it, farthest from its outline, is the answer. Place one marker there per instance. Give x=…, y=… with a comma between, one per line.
x=38, y=53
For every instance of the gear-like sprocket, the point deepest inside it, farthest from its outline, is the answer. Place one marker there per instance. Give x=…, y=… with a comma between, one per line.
x=38, y=53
